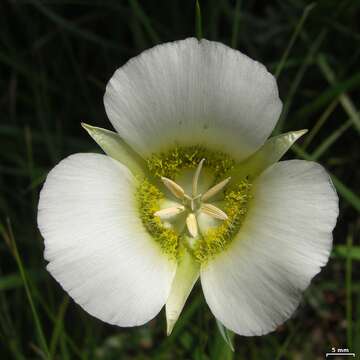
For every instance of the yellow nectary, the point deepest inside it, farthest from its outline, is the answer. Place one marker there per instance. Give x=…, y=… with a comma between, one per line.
x=148, y=197
x=169, y=164
x=217, y=239
x=235, y=202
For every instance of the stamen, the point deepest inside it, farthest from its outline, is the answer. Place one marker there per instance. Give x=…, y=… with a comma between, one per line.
x=175, y=189
x=192, y=225
x=215, y=189
x=212, y=237
x=196, y=178
x=213, y=211
x=169, y=212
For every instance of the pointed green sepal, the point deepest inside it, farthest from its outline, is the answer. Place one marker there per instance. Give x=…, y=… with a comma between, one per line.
x=187, y=273
x=114, y=146
x=226, y=334
x=271, y=152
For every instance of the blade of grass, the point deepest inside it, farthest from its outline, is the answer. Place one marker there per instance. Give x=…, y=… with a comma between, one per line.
x=348, y=280
x=53, y=318
x=285, y=345
x=357, y=323
x=198, y=21
x=342, y=189
x=145, y=21
x=220, y=349
x=345, y=100
x=57, y=333
x=346, y=251
x=222, y=344
x=14, y=347
x=70, y=27
x=14, y=281
x=8, y=335
x=78, y=72
x=215, y=9
x=181, y=323
x=30, y=165
x=322, y=119
x=330, y=140
x=38, y=326
x=78, y=144
x=16, y=64
x=235, y=28
x=293, y=38
x=42, y=108
x=346, y=193
x=333, y=92
x=138, y=34
x=297, y=80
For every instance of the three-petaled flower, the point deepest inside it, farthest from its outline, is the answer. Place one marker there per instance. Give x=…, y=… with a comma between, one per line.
x=189, y=189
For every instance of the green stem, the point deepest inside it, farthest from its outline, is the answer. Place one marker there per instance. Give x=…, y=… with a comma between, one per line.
x=198, y=21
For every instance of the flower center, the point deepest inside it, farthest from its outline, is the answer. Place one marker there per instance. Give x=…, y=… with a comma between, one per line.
x=189, y=211
x=194, y=204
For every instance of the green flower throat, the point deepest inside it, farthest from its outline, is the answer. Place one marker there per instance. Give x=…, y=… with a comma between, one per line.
x=184, y=224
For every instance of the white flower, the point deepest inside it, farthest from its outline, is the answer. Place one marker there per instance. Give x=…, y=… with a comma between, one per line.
x=127, y=233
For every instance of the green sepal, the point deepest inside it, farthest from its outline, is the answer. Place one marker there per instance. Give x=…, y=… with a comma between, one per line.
x=114, y=146
x=226, y=334
x=271, y=152
x=187, y=273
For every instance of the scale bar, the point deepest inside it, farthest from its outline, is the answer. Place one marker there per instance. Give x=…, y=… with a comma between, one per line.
x=340, y=354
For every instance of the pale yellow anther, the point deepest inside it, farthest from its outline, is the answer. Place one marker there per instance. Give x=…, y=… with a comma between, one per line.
x=213, y=211
x=192, y=225
x=170, y=212
x=196, y=178
x=175, y=189
x=215, y=189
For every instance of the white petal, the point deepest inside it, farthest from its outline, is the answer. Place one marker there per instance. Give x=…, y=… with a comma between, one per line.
x=193, y=92
x=286, y=238
x=96, y=244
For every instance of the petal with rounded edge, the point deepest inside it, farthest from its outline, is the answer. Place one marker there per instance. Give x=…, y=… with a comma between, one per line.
x=193, y=92
x=96, y=245
x=286, y=238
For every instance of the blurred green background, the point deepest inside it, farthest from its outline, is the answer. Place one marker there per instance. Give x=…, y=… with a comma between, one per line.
x=55, y=59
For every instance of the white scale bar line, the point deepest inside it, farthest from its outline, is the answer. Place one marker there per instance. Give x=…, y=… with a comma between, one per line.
x=340, y=354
